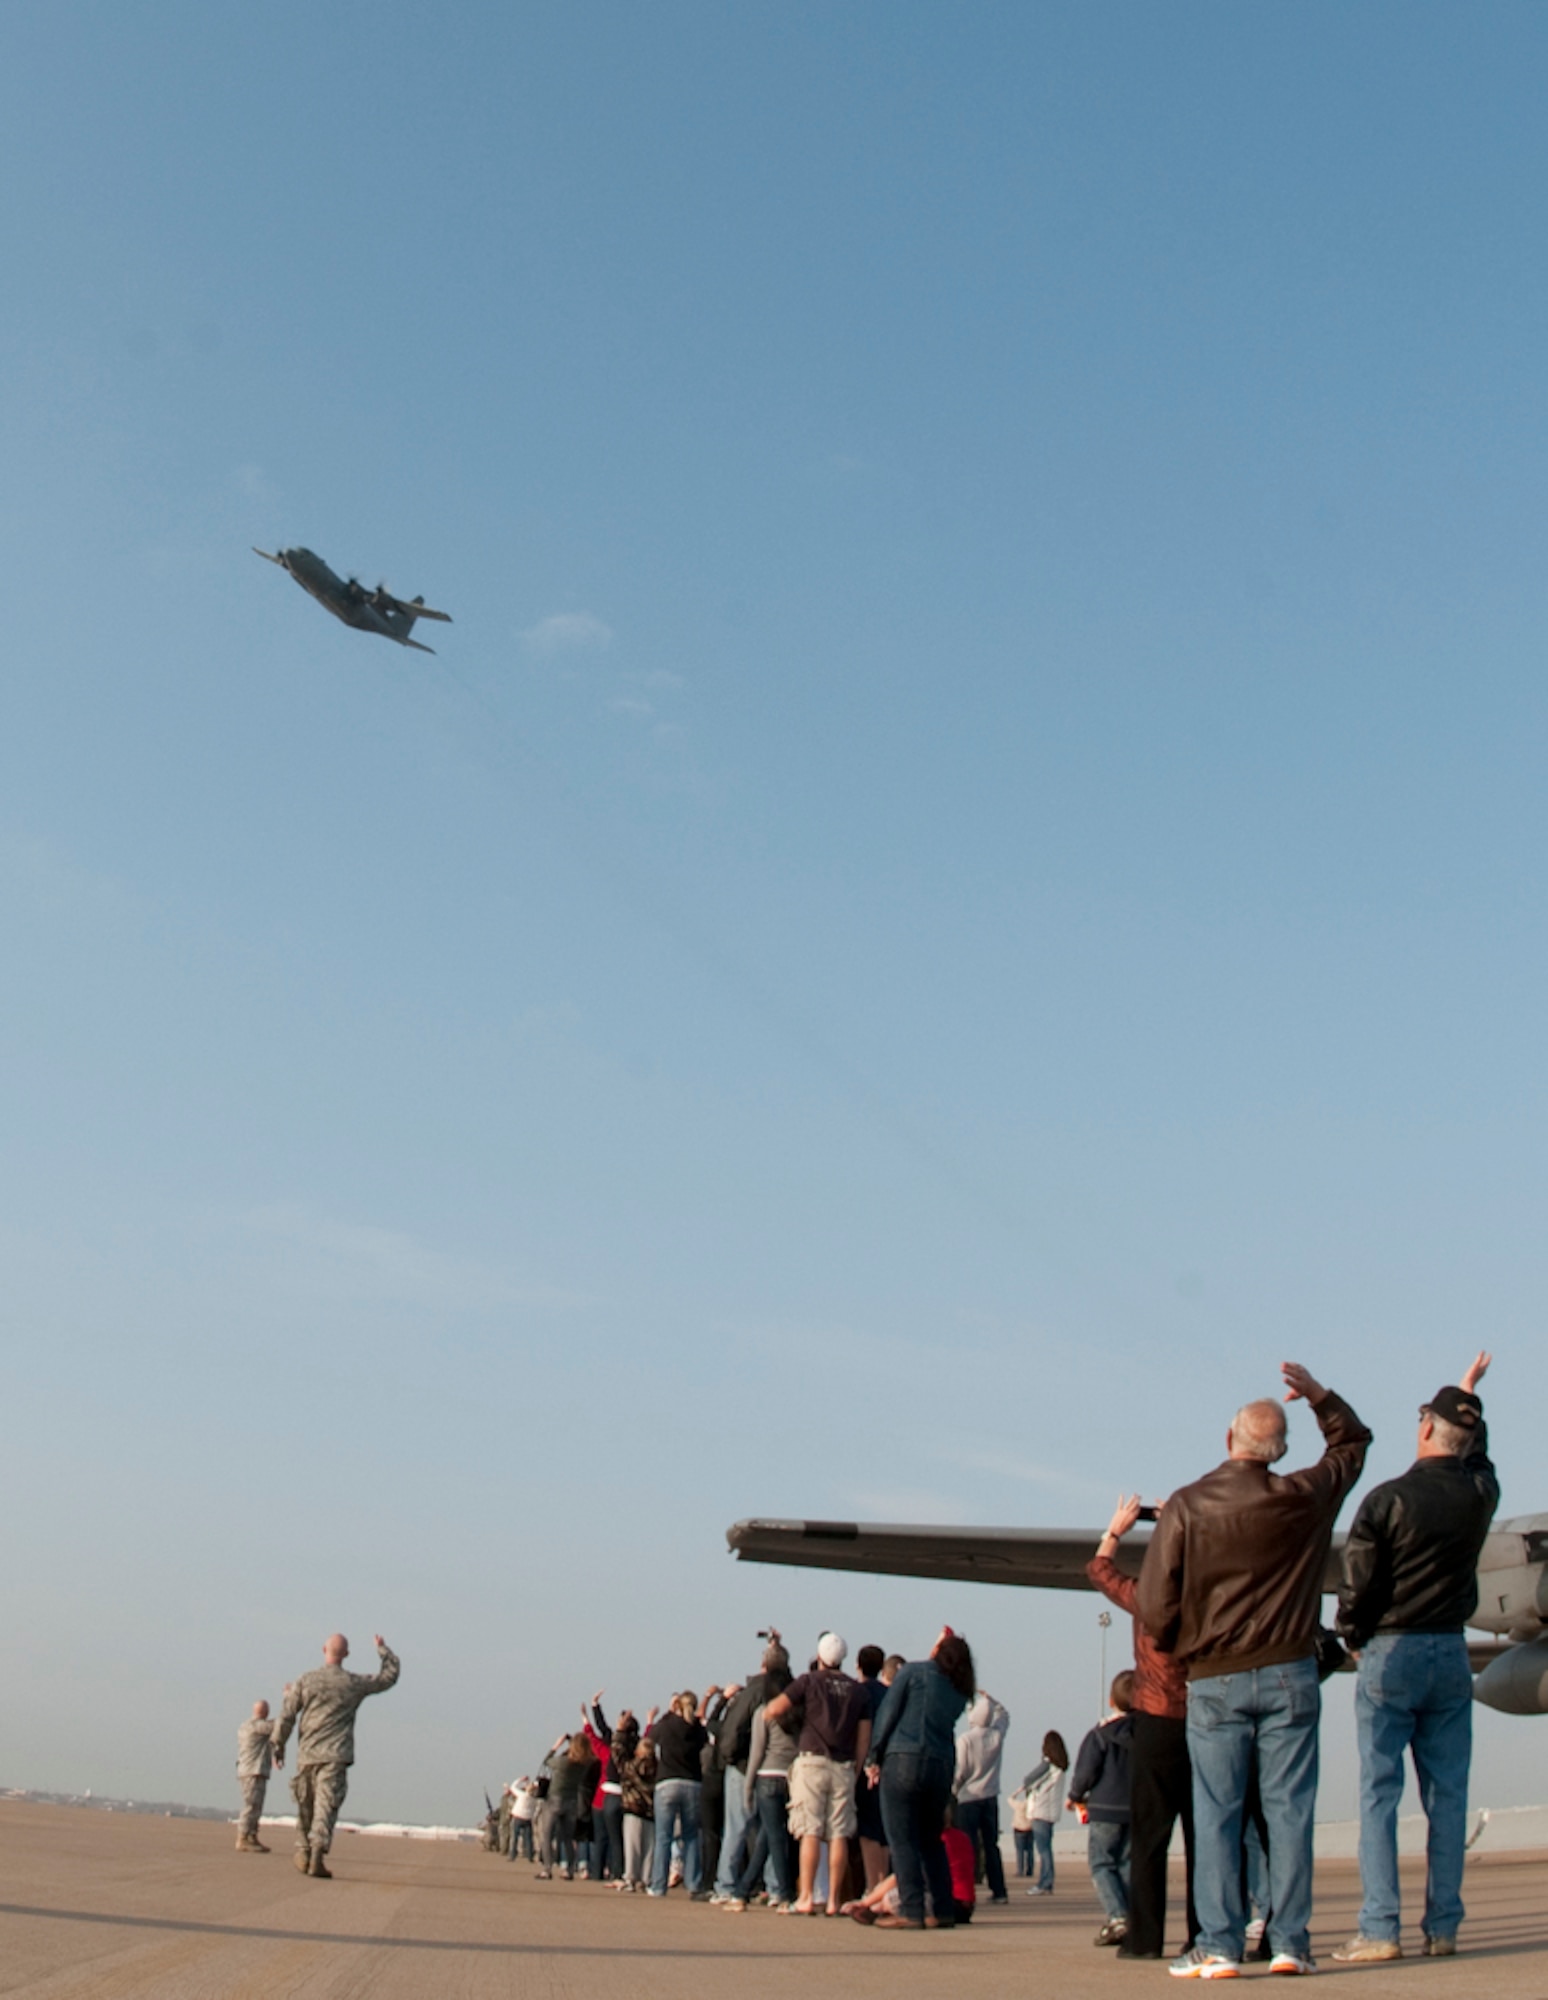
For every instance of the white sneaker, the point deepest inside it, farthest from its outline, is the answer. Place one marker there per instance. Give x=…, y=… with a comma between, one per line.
x=1289, y=1961
x=1202, y=1964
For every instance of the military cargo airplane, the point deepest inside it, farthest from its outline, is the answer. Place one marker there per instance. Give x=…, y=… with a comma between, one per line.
x=367, y=610
x=1510, y=1665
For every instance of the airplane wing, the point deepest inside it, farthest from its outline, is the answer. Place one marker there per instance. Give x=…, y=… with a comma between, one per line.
x=1035, y=1558
x=417, y=647
x=416, y=610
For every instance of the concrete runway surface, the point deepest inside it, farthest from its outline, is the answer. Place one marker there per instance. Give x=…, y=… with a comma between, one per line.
x=109, y=1906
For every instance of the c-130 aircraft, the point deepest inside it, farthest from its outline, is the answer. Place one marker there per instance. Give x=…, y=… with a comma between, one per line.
x=1510, y=1665
x=367, y=610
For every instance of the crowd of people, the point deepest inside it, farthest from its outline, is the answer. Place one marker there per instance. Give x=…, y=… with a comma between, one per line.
x=810, y=1794
x=838, y=1794
x=743, y=1792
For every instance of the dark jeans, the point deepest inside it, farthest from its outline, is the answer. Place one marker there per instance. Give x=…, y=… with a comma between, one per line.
x=556, y=1837
x=1023, y=1839
x=712, y=1823
x=915, y=1792
x=1160, y=1794
x=611, y=1823
x=979, y=1819
x=521, y=1840
x=770, y=1842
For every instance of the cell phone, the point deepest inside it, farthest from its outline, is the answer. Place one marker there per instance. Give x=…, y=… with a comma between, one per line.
x=1148, y=1514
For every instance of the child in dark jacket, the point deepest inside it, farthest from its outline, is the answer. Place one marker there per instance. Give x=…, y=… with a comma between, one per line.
x=1099, y=1787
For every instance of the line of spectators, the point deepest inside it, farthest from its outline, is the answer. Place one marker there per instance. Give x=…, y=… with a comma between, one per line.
x=820, y=1793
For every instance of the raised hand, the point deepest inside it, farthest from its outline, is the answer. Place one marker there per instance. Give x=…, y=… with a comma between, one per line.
x=1476, y=1372
x=1300, y=1383
x=1125, y=1514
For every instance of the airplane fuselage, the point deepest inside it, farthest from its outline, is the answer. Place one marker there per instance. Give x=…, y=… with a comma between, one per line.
x=347, y=601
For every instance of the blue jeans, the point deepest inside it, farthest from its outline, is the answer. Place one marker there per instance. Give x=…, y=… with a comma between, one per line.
x=1415, y=1693
x=1267, y=1717
x=1042, y=1850
x=915, y=1791
x=732, y=1859
x=1107, y=1855
x=768, y=1856
x=677, y=1814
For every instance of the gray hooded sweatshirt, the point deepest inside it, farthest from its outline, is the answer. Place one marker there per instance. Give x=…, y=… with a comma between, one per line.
x=978, y=1751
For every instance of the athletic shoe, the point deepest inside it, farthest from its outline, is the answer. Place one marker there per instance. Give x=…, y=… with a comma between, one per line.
x=1363, y=1950
x=734, y=1904
x=999, y=1899
x=1114, y=1931
x=1438, y=1947
x=1291, y=1962
x=1202, y=1964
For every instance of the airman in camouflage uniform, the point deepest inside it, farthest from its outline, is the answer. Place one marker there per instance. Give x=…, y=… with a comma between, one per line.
x=255, y=1741
x=323, y=1703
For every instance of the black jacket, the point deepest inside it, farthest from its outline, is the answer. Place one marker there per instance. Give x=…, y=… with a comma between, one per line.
x=1411, y=1563
x=733, y=1737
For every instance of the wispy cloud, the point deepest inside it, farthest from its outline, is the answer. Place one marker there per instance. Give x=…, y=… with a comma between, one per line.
x=568, y=632
x=330, y=1258
x=632, y=704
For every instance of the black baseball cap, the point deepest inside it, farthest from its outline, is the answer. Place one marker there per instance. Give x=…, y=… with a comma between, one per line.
x=1455, y=1406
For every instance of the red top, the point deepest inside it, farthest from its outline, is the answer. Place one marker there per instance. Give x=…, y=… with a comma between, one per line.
x=603, y=1752
x=960, y=1860
x=1160, y=1683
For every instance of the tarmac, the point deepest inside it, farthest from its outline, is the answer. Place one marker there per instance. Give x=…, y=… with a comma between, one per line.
x=118, y=1906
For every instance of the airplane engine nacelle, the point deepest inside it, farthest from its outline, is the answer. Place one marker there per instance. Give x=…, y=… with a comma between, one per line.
x=1517, y=1682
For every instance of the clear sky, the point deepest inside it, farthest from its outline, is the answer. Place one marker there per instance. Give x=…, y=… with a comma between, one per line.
x=968, y=878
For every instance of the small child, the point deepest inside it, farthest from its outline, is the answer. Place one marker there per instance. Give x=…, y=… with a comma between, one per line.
x=1099, y=1785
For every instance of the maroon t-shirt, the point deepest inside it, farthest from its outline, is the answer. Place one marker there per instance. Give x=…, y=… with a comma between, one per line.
x=831, y=1707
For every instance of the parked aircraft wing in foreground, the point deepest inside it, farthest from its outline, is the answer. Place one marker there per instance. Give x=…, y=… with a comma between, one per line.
x=1037, y=1558
x=1512, y=1666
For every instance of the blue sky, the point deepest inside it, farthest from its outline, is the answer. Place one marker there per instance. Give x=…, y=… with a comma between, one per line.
x=967, y=879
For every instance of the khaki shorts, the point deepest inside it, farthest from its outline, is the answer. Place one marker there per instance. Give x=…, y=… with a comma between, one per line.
x=822, y=1798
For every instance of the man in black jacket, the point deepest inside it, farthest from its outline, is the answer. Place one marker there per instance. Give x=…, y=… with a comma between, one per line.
x=1410, y=1586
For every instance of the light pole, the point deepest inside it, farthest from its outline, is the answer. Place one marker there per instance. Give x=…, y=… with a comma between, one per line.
x=1104, y=1620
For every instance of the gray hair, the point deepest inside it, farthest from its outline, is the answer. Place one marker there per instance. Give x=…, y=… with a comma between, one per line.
x=1258, y=1431
x=1451, y=1437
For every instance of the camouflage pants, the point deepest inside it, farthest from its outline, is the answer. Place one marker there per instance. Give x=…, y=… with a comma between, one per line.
x=318, y=1791
x=253, y=1790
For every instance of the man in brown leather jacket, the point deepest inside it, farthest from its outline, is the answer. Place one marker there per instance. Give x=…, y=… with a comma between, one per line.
x=1231, y=1585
